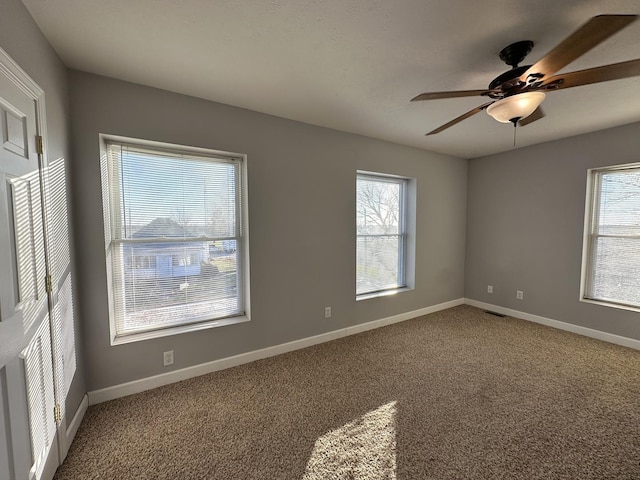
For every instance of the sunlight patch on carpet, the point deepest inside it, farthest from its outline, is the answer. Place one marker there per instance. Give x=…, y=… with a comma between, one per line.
x=364, y=449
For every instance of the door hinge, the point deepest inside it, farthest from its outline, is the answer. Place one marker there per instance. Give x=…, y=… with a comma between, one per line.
x=57, y=414
x=39, y=145
x=48, y=282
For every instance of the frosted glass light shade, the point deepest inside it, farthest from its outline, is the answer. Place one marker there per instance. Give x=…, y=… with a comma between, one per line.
x=516, y=106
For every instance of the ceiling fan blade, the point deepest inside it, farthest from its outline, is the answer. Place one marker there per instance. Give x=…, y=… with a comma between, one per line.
x=592, y=33
x=536, y=115
x=459, y=119
x=615, y=71
x=458, y=93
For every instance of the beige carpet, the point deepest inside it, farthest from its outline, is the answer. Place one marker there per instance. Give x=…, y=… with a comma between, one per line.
x=459, y=394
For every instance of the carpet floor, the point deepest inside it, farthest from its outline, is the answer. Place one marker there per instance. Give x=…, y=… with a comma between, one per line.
x=459, y=394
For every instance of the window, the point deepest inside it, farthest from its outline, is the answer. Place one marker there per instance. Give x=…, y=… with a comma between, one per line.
x=166, y=209
x=611, y=272
x=381, y=233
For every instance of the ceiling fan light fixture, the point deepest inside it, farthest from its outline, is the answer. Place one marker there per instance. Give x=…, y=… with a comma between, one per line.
x=515, y=107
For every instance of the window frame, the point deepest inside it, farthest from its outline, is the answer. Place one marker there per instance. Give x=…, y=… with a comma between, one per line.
x=242, y=237
x=403, y=236
x=590, y=236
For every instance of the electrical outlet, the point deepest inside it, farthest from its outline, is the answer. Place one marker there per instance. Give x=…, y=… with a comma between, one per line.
x=327, y=312
x=519, y=295
x=167, y=358
x=489, y=288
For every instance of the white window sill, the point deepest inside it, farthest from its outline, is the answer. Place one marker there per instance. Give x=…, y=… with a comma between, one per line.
x=165, y=332
x=384, y=293
x=604, y=303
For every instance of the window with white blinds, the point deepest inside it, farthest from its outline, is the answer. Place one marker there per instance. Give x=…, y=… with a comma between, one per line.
x=174, y=236
x=381, y=233
x=611, y=272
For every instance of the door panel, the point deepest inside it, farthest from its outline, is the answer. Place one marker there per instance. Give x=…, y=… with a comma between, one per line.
x=38, y=371
x=57, y=241
x=14, y=389
x=64, y=340
x=17, y=116
x=28, y=239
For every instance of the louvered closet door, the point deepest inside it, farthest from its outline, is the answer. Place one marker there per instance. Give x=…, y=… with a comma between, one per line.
x=27, y=382
x=38, y=370
x=33, y=302
x=61, y=295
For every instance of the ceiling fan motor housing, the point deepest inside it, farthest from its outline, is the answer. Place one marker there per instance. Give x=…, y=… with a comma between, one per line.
x=506, y=82
x=509, y=82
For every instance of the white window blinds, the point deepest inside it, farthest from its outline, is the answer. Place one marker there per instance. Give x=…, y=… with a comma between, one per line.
x=613, y=263
x=381, y=235
x=174, y=237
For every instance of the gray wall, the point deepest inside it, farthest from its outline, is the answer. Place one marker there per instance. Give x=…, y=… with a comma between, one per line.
x=301, y=222
x=525, y=220
x=21, y=38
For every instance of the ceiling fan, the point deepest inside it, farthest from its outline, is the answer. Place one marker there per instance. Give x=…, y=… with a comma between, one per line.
x=516, y=95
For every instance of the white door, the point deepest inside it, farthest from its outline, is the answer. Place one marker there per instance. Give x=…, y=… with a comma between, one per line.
x=60, y=291
x=33, y=313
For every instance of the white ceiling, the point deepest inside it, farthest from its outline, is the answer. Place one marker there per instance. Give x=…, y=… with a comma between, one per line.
x=351, y=65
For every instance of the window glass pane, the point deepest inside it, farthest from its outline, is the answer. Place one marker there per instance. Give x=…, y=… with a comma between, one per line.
x=616, y=270
x=380, y=235
x=619, y=206
x=378, y=206
x=169, y=196
x=169, y=284
x=378, y=263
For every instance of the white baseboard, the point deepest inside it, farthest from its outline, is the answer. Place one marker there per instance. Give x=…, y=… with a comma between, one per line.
x=569, y=327
x=137, y=386
x=363, y=327
x=72, y=427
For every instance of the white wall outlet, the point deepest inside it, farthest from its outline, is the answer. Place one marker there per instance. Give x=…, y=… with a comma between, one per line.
x=167, y=358
x=519, y=295
x=327, y=312
x=489, y=288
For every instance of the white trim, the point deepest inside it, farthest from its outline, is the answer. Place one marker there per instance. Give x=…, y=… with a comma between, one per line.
x=363, y=327
x=590, y=235
x=137, y=386
x=604, y=303
x=569, y=327
x=24, y=82
x=382, y=293
x=177, y=330
x=18, y=76
x=403, y=183
x=72, y=427
x=585, y=265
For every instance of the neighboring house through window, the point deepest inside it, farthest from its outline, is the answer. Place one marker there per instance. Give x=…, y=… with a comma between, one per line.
x=381, y=225
x=175, y=238
x=611, y=258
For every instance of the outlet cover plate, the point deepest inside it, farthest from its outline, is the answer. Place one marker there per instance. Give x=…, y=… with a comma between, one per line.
x=167, y=358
